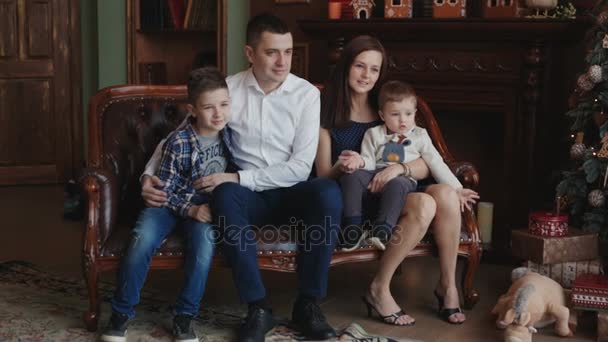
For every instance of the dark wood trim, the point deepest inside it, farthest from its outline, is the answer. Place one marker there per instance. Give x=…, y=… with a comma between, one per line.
x=76, y=91
x=466, y=29
x=33, y=174
x=222, y=36
x=61, y=90
x=90, y=251
x=291, y=2
x=131, y=31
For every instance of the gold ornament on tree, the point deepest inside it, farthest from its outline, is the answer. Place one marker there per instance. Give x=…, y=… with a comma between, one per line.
x=605, y=41
x=603, y=153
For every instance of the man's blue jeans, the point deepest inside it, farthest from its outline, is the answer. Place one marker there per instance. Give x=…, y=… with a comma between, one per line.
x=153, y=226
x=317, y=204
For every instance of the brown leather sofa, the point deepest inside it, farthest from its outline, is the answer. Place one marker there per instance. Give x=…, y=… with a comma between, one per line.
x=124, y=126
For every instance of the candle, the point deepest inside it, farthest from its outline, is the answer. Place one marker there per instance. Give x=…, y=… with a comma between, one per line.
x=485, y=211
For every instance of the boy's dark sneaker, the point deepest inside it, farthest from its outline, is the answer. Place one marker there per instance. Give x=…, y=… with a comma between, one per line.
x=116, y=330
x=182, y=329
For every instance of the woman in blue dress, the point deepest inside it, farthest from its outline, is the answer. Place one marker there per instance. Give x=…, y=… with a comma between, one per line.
x=348, y=108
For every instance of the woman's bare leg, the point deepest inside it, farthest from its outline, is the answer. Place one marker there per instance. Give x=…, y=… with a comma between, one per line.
x=416, y=216
x=446, y=231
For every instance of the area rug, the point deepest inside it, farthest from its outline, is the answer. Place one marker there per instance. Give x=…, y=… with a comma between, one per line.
x=38, y=306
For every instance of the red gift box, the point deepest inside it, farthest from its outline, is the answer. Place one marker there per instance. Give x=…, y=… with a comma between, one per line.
x=546, y=223
x=590, y=292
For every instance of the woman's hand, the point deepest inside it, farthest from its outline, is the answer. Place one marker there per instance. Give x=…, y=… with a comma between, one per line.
x=384, y=176
x=350, y=161
x=201, y=213
x=467, y=198
x=208, y=183
x=152, y=196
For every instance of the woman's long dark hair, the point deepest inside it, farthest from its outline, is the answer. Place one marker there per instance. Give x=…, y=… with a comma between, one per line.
x=336, y=97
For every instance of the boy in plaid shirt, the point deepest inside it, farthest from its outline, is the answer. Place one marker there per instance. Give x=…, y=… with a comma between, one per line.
x=194, y=150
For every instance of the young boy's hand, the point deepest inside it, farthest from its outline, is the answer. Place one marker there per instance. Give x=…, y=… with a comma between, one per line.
x=201, y=213
x=350, y=161
x=467, y=198
x=383, y=177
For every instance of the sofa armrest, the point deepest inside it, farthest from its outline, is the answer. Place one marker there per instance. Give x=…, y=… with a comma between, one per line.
x=466, y=173
x=469, y=223
x=101, y=192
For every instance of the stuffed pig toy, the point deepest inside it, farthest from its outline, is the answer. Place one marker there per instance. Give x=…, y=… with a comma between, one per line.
x=533, y=301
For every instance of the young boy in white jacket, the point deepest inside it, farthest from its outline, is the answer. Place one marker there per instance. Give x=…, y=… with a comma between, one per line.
x=398, y=140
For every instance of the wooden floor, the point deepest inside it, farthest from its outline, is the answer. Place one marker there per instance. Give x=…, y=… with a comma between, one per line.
x=33, y=230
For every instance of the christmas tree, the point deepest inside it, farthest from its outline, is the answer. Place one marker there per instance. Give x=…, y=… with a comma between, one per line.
x=584, y=189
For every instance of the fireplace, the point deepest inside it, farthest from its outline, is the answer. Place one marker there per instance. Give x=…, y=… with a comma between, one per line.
x=499, y=89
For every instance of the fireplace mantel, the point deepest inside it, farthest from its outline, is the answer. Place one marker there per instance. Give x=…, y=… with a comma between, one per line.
x=509, y=78
x=468, y=29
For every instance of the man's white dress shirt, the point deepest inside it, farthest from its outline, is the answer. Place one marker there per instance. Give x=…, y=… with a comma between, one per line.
x=274, y=136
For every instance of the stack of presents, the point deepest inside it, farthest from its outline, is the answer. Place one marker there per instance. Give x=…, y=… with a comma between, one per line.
x=568, y=256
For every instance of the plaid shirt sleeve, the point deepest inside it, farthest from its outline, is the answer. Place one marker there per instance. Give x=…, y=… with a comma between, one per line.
x=172, y=168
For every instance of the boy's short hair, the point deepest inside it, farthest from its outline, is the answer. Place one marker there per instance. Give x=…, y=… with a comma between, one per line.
x=264, y=22
x=203, y=80
x=395, y=91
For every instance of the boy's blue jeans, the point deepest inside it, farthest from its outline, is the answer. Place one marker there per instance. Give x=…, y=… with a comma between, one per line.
x=153, y=226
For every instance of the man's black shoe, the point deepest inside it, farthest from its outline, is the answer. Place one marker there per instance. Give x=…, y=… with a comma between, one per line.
x=310, y=321
x=182, y=329
x=116, y=330
x=257, y=324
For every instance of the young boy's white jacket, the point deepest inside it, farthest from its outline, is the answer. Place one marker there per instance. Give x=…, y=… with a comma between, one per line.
x=421, y=145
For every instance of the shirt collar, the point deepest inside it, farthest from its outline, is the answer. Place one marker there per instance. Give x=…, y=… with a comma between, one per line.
x=287, y=86
x=409, y=131
x=192, y=134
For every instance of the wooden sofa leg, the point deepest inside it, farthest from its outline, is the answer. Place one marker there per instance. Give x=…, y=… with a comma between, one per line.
x=471, y=297
x=91, y=316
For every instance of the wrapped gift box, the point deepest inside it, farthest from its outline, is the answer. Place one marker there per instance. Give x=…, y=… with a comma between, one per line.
x=565, y=273
x=590, y=292
x=576, y=246
x=546, y=223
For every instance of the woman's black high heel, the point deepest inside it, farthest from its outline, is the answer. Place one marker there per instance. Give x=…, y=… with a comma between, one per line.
x=445, y=313
x=390, y=319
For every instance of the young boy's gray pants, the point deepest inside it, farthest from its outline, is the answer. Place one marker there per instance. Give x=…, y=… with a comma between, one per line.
x=391, y=197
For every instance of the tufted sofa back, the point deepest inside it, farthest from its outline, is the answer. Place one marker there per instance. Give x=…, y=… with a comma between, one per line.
x=126, y=123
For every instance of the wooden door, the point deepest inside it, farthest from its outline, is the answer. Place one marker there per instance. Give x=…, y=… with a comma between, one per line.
x=40, y=125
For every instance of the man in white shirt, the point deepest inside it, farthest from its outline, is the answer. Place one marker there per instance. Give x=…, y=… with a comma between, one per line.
x=274, y=136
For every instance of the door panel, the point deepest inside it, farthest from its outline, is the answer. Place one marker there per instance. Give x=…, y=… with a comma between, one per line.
x=8, y=28
x=36, y=104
